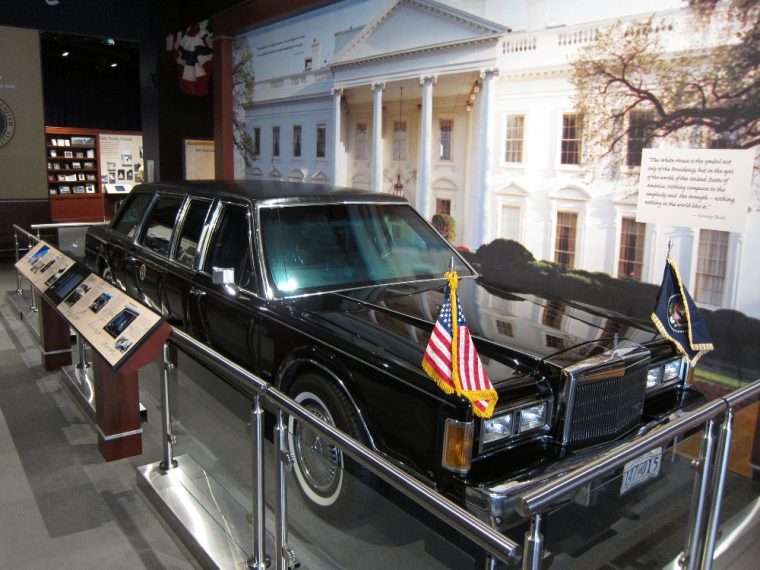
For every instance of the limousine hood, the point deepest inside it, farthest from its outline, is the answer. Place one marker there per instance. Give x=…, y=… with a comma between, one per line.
x=508, y=328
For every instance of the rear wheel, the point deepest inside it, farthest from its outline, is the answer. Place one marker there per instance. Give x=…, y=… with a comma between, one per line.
x=333, y=485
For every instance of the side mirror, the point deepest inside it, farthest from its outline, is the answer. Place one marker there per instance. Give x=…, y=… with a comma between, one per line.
x=223, y=275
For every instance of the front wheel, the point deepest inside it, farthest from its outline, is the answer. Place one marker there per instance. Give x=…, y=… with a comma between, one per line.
x=334, y=486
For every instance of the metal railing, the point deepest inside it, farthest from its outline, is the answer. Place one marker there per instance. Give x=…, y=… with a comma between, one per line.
x=263, y=394
x=708, y=486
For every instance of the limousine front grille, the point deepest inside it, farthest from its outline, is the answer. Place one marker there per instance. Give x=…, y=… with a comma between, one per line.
x=604, y=397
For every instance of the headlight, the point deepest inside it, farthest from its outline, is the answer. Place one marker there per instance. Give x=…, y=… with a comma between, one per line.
x=654, y=376
x=672, y=370
x=497, y=428
x=532, y=417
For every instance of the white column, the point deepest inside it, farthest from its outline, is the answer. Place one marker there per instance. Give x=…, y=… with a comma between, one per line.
x=426, y=146
x=376, y=184
x=338, y=151
x=480, y=213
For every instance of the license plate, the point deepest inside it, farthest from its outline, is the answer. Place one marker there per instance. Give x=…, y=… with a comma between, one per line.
x=641, y=469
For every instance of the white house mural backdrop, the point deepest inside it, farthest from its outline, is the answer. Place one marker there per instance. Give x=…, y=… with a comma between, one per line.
x=504, y=123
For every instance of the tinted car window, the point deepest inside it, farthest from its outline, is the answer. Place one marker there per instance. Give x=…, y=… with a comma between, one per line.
x=229, y=245
x=322, y=247
x=132, y=213
x=187, y=249
x=157, y=235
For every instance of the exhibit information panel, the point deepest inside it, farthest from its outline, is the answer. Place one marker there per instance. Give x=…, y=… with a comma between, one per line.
x=112, y=323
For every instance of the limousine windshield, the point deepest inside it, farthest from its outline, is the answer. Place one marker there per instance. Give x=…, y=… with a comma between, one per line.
x=312, y=248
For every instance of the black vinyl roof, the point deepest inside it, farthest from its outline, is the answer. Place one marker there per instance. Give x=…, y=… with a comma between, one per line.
x=258, y=190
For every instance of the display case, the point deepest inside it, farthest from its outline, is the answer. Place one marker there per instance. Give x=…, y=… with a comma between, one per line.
x=73, y=173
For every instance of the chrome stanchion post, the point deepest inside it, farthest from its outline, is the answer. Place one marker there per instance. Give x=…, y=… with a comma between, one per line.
x=719, y=481
x=82, y=352
x=258, y=560
x=692, y=553
x=286, y=559
x=168, y=461
x=33, y=306
x=19, y=290
x=534, y=545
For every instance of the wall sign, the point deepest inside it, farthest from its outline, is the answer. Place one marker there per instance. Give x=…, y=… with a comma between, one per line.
x=697, y=188
x=7, y=123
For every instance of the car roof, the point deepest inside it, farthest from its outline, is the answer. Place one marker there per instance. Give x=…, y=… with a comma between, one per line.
x=268, y=190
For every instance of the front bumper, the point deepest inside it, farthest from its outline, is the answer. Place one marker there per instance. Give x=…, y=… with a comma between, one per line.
x=496, y=503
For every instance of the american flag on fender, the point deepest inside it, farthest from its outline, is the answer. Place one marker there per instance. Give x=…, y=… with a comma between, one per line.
x=451, y=359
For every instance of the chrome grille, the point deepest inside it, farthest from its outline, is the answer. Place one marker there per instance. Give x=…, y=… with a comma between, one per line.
x=607, y=407
x=604, y=396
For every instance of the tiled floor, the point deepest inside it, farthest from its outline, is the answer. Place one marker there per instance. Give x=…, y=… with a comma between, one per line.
x=61, y=505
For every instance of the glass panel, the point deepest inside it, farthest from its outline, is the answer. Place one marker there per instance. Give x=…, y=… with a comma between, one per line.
x=628, y=521
x=399, y=140
x=229, y=246
x=187, y=249
x=132, y=213
x=157, y=234
x=510, y=223
x=319, y=248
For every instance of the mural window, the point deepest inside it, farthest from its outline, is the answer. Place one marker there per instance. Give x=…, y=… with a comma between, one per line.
x=256, y=143
x=631, y=249
x=504, y=328
x=296, y=140
x=639, y=135
x=510, y=223
x=712, y=258
x=564, y=244
x=553, y=341
x=572, y=128
x=446, y=127
x=362, y=139
x=275, y=141
x=399, y=140
x=553, y=313
x=321, y=141
x=514, y=138
x=443, y=206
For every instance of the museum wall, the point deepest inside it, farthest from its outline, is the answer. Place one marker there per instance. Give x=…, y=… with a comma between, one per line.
x=22, y=134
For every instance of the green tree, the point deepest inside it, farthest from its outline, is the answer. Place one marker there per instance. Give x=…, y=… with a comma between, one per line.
x=709, y=88
x=242, y=93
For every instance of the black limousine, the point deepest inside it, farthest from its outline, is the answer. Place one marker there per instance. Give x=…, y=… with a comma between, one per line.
x=331, y=295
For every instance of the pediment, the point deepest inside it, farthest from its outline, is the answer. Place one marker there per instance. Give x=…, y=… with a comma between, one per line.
x=397, y=32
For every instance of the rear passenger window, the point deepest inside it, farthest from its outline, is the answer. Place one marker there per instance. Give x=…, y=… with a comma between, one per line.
x=229, y=247
x=187, y=249
x=157, y=235
x=132, y=213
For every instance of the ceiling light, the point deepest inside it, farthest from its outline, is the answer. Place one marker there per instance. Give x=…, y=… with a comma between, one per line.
x=114, y=64
x=65, y=54
x=109, y=41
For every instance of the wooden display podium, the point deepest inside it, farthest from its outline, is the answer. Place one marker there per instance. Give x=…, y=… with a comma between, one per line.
x=124, y=336
x=55, y=336
x=117, y=404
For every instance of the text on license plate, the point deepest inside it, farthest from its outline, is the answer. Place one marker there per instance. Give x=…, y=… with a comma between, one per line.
x=641, y=469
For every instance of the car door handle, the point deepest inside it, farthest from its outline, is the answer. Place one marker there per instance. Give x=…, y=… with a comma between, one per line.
x=130, y=259
x=197, y=292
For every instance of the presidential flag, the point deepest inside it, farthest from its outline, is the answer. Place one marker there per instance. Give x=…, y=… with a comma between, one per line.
x=677, y=317
x=451, y=359
x=193, y=52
